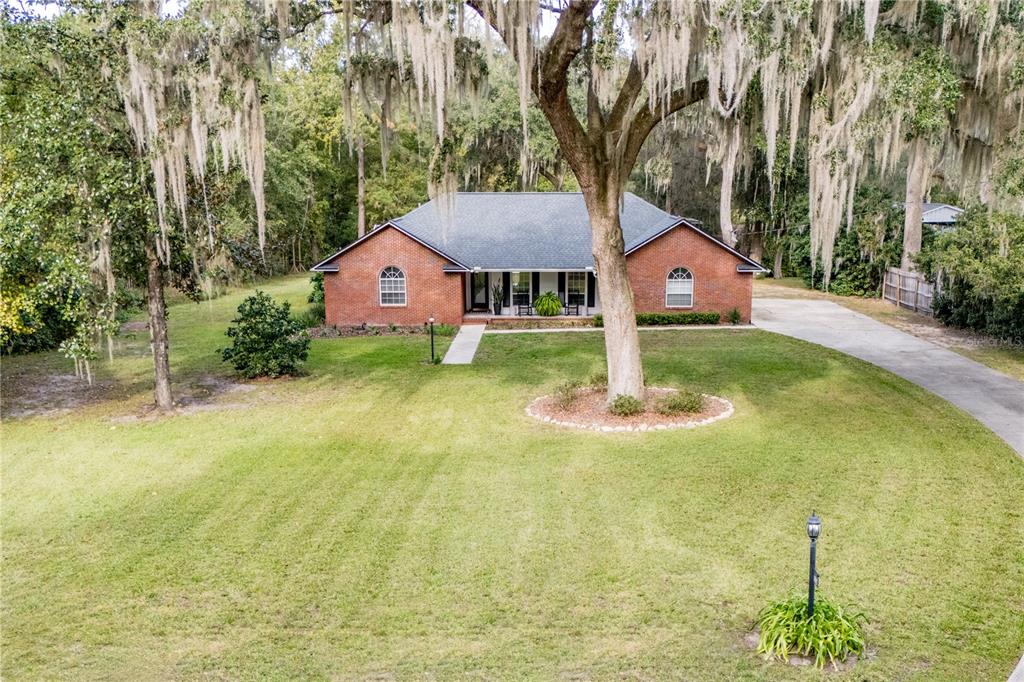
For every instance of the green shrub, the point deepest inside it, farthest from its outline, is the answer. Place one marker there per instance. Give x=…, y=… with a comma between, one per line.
x=626, y=406
x=683, y=402
x=547, y=304
x=566, y=394
x=317, y=294
x=734, y=316
x=313, y=316
x=128, y=301
x=832, y=634
x=599, y=379
x=445, y=330
x=267, y=340
x=980, y=265
x=661, y=319
x=657, y=319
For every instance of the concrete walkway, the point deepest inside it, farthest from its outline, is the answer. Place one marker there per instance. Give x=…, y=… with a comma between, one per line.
x=994, y=399
x=464, y=345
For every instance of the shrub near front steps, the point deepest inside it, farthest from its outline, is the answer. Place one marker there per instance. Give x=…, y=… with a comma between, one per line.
x=668, y=319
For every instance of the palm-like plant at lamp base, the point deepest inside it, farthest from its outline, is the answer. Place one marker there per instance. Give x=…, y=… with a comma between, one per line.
x=811, y=627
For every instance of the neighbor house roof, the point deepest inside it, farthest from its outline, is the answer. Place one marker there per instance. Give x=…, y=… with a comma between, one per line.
x=530, y=230
x=940, y=214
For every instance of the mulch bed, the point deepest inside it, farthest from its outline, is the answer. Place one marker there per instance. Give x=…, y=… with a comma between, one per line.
x=590, y=412
x=541, y=323
x=330, y=332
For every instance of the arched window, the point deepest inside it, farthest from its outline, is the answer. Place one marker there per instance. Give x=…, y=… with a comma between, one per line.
x=679, y=289
x=392, y=286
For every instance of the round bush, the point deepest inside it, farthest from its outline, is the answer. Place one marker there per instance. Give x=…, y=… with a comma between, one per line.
x=687, y=402
x=626, y=406
x=830, y=635
x=547, y=304
x=566, y=394
x=267, y=340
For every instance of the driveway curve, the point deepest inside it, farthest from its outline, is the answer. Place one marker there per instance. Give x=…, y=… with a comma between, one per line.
x=994, y=399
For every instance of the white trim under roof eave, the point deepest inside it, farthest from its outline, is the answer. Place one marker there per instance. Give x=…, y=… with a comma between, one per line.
x=319, y=267
x=684, y=221
x=530, y=269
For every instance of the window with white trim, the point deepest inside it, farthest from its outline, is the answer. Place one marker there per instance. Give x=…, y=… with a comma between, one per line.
x=576, y=288
x=392, y=286
x=679, y=289
x=521, y=282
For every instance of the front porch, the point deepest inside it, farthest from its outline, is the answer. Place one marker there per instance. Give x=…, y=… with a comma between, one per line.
x=518, y=289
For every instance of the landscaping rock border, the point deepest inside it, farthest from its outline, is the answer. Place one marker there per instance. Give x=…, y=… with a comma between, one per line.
x=720, y=409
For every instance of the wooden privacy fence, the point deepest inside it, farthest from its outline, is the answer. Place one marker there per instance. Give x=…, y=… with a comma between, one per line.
x=908, y=290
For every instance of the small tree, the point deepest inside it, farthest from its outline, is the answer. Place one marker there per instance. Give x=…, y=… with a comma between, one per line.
x=267, y=340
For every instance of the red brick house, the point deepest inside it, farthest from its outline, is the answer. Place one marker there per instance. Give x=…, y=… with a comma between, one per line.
x=449, y=267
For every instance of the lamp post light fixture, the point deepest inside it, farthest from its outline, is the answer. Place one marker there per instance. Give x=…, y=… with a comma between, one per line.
x=813, y=531
x=432, y=358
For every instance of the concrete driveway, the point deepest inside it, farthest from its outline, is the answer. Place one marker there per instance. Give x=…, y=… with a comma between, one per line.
x=996, y=400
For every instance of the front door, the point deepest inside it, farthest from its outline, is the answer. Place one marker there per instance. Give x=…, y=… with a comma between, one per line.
x=478, y=291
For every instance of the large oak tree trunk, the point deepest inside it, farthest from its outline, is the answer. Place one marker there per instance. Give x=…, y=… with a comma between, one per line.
x=361, y=188
x=621, y=339
x=918, y=172
x=158, y=328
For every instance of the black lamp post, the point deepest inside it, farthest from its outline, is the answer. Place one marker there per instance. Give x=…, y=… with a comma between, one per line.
x=813, y=531
x=432, y=359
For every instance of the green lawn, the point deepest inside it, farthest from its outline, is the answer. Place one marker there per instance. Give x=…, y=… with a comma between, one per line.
x=382, y=518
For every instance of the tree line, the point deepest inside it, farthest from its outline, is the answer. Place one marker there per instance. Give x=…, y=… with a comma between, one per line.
x=144, y=150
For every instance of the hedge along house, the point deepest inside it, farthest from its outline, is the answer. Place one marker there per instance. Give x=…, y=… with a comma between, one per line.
x=450, y=267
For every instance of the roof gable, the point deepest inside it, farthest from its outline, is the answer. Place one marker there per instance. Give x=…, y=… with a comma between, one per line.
x=326, y=264
x=746, y=264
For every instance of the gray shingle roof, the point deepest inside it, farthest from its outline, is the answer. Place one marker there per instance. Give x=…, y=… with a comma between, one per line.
x=526, y=230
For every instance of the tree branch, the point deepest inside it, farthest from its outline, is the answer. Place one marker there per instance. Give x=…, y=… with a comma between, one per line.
x=645, y=121
x=549, y=79
x=627, y=96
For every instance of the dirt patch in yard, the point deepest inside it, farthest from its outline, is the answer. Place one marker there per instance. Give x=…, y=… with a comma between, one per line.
x=134, y=327
x=590, y=412
x=50, y=395
x=205, y=394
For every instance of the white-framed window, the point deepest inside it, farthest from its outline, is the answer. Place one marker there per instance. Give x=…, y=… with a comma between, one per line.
x=679, y=289
x=576, y=288
x=521, y=282
x=392, y=286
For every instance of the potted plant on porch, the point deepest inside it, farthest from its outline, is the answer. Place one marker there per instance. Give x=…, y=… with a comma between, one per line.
x=497, y=296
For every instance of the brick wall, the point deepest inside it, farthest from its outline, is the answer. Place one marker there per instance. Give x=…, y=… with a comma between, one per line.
x=351, y=294
x=717, y=287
